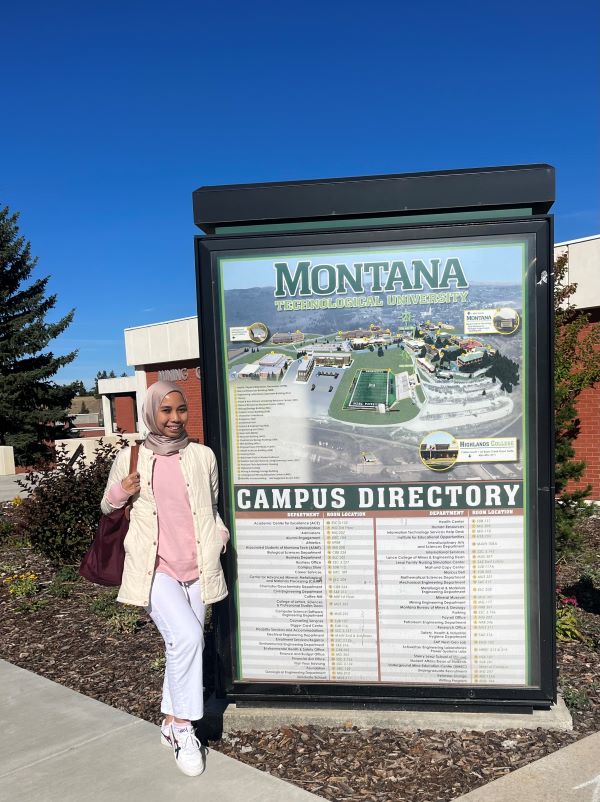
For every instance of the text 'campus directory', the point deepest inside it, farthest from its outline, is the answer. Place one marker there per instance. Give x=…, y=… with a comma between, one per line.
x=377, y=449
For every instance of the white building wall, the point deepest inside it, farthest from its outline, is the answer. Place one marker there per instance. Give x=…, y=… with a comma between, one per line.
x=141, y=386
x=171, y=341
x=107, y=415
x=583, y=269
x=108, y=387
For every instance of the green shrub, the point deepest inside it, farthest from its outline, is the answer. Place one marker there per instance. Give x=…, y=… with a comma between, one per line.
x=105, y=603
x=126, y=619
x=23, y=585
x=24, y=588
x=61, y=590
x=575, y=699
x=61, y=513
x=120, y=617
x=68, y=573
x=567, y=624
x=567, y=627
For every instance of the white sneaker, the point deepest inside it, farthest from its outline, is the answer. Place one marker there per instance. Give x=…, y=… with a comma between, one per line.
x=187, y=750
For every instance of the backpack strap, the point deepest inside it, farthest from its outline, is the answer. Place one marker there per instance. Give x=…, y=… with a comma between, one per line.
x=133, y=458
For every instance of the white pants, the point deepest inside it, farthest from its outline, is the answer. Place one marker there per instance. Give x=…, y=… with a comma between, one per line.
x=178, y=611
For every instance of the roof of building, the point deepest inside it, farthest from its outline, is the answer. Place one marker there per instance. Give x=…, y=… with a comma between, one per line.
x=248, y=370
x=574, y=241
x=472, y=356
x=271, y=360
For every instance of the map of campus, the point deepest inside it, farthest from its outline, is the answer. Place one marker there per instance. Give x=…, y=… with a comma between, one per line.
x=341, y=364
x=422, y=377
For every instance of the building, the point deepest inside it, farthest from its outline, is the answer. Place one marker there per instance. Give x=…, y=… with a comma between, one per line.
x=323, y=348
x=357, y=333
x=167, y=351
x=305, y=368
x=272, y=366
x=425, y=363
x=332, y=359
x=469, y=344
x=506, y=321
x=584, y=270
x=250, y=371
x=470, y=359
x=283, y=337
x=330, y=355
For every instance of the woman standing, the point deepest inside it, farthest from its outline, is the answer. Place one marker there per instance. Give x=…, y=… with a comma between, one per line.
x=172, y=550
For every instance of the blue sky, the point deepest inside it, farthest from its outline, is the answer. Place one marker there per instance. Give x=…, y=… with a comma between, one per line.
x=500, y=263
x=113, y=113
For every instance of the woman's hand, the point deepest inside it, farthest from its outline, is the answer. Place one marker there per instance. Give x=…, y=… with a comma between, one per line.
x=131, y=484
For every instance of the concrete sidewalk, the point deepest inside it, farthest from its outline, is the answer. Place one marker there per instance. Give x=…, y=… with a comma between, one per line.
x=9, y=487
x=59, y=746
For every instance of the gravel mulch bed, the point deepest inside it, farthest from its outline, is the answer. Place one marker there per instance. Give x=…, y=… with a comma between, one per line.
x=69, y=633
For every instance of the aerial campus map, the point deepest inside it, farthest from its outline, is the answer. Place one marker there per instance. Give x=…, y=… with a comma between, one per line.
x=363, y=383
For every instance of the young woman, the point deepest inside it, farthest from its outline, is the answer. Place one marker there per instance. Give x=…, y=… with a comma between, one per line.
x=172, y=550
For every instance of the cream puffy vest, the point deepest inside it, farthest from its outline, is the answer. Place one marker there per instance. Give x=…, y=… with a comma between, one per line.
x=200, y=473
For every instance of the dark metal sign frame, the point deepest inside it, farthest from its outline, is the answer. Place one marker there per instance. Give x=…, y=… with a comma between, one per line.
x=540, y=485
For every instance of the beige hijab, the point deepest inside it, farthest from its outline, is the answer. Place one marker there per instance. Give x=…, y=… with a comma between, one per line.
x=156, y=442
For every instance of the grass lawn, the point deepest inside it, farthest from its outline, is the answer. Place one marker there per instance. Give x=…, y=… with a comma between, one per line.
x=396, y=360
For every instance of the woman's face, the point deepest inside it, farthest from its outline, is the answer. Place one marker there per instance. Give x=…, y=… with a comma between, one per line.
x=172, y=415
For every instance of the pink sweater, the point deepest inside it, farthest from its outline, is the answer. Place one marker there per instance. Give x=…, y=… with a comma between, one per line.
x=176, y=554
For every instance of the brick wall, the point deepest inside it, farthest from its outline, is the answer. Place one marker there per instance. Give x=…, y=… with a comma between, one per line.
x=587, y=445
x=192, y=389
x=124, y=412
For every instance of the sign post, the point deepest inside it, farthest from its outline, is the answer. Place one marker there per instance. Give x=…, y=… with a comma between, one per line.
x=378, y=392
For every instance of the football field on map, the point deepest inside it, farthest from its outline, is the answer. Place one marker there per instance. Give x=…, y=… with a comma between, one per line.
x=371, y=388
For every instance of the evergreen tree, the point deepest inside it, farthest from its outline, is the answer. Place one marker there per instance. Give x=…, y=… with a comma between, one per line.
x=30, y=402
x=576, y=367
x=102, y=374
x=504, y=369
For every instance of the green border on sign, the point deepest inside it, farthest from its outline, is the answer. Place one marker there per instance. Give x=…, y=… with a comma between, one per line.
x=504, y=240
x=225, y=368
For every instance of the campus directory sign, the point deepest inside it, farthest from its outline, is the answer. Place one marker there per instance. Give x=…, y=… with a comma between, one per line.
x=379, y=396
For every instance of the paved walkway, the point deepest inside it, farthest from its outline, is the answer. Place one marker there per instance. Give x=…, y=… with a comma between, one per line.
x=59, y=746
x=9, y=488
